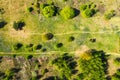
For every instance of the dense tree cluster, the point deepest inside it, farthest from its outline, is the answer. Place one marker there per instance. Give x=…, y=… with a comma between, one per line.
x=93, y=65
x=65, y=64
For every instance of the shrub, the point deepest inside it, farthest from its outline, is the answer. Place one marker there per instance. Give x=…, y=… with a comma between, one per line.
x=18, y=25
x=44, y=50
x=29, y=56
x=2, y=24
x=18, y=46
x=29, y=47
x=48, y=36
x=30, y=9
x=2, y=11
x=67, y=12
x=59, y=45
x=42, y=6
x=88, y=13
x=117, y=61
x=116, y=76
x=83, y=7
x=108, y=15
x=88, y=10
x=49, y=11
x=39, y=46
x=71, y=38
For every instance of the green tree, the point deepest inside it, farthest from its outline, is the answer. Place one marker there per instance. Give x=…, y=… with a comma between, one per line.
x=88, y=13
x=67, y=12
x=88, y=10
x=49, y=11
x=18, y=25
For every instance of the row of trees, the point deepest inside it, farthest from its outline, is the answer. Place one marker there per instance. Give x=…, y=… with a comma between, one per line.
x=87, y=10
x=49, y=10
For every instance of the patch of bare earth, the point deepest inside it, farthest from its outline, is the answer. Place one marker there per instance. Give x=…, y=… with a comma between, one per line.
x=82, y=49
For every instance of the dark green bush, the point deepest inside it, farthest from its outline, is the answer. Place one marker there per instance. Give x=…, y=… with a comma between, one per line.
x=59, y=45
x=38, y=47
x=44, y=50
x=71, y=38
x=18, y=46
x=67, y=12
x=30, y=9
x=108, y=15
x=18, y=25
x=48, y=36
x=29, y=56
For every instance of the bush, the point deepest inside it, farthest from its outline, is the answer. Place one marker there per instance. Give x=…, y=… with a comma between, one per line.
x=39, y=46
x=18, y=25
x=2, y=11
x=67, y=12
x=29, y=47
x=117, y=61
x=48, y=36
x=44, y=50
x=116, y=76
x=88, y=10
x=83, y=7
x=59, y=45
x=49, y=11
x=71, y=38
x=18, y=46
x=108, y=15
x=88, y=13
x=29, y=56
x=30, y=9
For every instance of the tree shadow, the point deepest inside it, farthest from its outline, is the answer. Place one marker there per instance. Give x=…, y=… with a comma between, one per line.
x=77, y=12
x=2, y=24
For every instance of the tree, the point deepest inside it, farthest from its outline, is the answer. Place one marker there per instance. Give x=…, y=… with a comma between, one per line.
x=18, y=25
x=88, y=10
x=49, y=11
x=88, y=13
x=67, y=12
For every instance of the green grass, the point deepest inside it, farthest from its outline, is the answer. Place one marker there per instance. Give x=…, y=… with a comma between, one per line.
x=83, y=29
